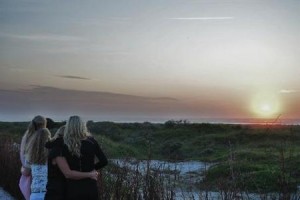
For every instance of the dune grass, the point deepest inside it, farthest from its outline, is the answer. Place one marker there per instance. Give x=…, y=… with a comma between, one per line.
x=258, y=159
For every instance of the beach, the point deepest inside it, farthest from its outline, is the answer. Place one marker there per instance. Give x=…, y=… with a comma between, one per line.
x=4, y=195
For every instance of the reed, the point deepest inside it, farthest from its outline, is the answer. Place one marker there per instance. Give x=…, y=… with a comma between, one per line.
x=10, y=166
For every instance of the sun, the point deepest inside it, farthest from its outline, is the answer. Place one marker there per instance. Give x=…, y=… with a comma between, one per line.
x=266, y=105
x=267, y=109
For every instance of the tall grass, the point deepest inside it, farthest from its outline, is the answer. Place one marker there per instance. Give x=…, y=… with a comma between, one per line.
x=115, y=183
x=125, y=182
x=253, y=161
x=10, y=166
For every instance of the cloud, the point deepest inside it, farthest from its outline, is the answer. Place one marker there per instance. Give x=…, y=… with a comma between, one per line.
x=164, y=99
x=44, y=37
x=120, y=18
x=73, y=77
x=201, y=18
x=288, y=91
x=57, y=101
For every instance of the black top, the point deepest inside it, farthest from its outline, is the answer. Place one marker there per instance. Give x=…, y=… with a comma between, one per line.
x=86, y=162
x=84, y=188
x=60, y=188
x=58, y=142
x=56, y=185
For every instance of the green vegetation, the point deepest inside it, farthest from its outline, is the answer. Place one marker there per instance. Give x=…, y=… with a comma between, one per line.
x=248, y=157
x=252, y=157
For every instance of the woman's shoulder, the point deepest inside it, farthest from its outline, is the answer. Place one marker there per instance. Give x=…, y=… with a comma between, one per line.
x=89, y=140
x=58, y=142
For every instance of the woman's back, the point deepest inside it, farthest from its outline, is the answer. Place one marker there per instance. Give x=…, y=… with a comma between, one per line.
x=84, y=188
x=39, y=178
x=80, y=150
x=56, y=185
x=86, y=162
x=37, y=157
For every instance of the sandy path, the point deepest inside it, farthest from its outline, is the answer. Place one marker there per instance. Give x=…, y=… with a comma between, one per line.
x=4, y=195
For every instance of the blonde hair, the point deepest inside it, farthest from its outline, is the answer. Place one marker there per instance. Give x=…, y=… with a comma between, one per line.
x=59, y=132
x=37, y=123
x=75, y=131
x=37, y=152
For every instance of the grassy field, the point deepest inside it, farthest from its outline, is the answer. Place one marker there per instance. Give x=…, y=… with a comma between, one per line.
x=254, y=157
x=260, y=158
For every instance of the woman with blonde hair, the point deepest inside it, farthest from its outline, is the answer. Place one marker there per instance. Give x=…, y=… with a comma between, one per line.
x=59, y=170
x=38, y=122
x=80, y=151
x=37, y=158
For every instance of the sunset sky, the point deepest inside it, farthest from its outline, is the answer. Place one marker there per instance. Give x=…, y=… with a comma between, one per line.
x=201, y=60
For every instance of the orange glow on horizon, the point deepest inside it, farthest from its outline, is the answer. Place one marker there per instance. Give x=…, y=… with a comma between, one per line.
x=266, y=105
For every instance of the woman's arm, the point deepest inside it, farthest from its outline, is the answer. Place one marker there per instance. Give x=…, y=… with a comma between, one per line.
x=25, y=171
x=100, y=155
x=22, y=149
x=72, y=174
x=57, y=142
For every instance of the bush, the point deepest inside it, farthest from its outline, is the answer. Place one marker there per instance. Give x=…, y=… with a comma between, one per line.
x=10, y=166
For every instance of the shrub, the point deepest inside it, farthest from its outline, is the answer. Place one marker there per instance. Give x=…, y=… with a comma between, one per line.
x=10, y=166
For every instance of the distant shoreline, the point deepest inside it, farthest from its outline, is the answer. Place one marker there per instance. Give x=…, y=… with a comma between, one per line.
x=232, y=121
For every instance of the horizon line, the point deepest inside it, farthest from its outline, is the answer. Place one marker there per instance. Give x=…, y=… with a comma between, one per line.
x=236, y=121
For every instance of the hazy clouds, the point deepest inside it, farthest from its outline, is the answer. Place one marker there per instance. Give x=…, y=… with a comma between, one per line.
x=61, y=102
x=73, y=77
x=152, y=59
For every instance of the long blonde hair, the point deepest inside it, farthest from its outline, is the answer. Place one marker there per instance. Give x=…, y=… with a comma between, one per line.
x=37, y=123
x=75, y=131
x=59, y=133
x=37, y=152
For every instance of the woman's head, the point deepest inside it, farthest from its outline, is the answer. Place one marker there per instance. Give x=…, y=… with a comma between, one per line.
x=37, y=153
x=76, y=126
x=60, y=132
x=75, y=131
x=37, y=123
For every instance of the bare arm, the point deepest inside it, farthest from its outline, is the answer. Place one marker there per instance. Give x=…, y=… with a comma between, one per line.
x=25, y=171
x=22, y=149
x=72, y=174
